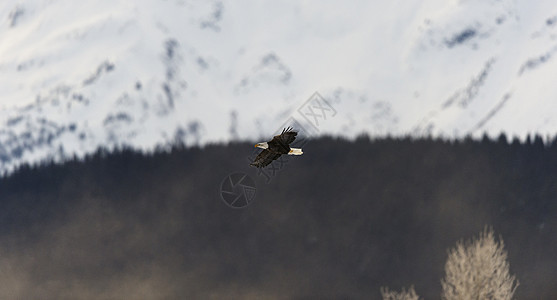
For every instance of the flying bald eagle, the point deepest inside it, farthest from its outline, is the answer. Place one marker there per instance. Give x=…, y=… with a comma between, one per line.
x=279, y=145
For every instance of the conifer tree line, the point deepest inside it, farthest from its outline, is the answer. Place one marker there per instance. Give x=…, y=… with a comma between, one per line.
x=348, y=219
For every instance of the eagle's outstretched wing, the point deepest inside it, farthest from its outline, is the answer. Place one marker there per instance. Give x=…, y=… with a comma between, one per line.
x=287, y=136
x=264, y=158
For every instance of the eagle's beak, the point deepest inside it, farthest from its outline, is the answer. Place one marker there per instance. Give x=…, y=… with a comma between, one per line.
x=256, y=145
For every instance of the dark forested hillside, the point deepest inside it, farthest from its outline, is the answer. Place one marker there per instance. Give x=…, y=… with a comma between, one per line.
x=340, y=221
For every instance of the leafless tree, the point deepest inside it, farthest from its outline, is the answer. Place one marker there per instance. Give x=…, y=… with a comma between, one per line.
x=478, y=269
x=402, y=295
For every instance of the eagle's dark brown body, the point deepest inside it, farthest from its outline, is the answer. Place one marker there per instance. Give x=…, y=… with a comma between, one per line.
x=279, y=145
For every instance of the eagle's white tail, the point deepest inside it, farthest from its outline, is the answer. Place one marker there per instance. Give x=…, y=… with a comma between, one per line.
x=295, y=151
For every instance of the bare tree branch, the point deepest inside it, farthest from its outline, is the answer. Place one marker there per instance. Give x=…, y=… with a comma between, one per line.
x=402, y=295
x=478, y=269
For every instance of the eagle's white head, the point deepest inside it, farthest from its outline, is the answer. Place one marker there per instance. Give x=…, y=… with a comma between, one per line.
x=262, y=145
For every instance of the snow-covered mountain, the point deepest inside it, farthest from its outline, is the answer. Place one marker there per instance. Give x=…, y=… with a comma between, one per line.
x=76, y=75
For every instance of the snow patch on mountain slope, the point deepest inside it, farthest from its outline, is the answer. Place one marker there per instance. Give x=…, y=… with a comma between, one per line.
x=78, y=75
